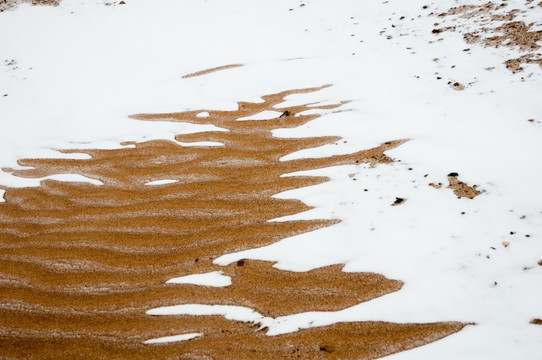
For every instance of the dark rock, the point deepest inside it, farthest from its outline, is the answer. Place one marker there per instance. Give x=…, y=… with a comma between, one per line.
x=286, y=113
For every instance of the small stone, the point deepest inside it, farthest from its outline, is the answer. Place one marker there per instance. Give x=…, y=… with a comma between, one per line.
x=505, y=243
x=286, y=113
x=122, y=3
x=540, y=263
x=453, y=174
x=457, y=86
x=241, y=263
x=398, y=201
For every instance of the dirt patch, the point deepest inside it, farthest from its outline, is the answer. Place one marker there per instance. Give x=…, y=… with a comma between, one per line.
x=233, y=340
x=81, y=264
x=495, y=25
x=461, y=189
x=515, y=65
x=256, y=284
x=212, y=70
x=8, y=4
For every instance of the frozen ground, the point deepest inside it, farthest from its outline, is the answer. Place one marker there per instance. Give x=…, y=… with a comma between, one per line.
x=70, y=76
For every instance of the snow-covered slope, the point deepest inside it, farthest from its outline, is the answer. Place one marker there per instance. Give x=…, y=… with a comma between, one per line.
x=71, y=75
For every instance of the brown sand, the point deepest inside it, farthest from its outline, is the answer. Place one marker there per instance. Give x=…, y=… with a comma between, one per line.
x=512, y=33
x=208, y=71
x=8, y=4
x=80, y=264
x=462, y=189
x=515, y=65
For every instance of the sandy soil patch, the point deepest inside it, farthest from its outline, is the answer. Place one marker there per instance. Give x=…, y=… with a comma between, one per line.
x=496, y=25
x=212, y=70
x=81, y=264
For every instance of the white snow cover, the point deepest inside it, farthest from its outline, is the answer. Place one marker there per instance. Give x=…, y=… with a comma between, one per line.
x=161, y=182
x=215, y=279
x=2, y=192
x=264, y=115
x=81, y=68
x=174, y=338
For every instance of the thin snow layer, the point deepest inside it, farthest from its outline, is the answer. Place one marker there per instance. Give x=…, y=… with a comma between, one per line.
x=264, y=115
x=33, y=182
x=215, y=279
x=74, y=89
x=201, y=143
x=174, y=338
x=161, y=182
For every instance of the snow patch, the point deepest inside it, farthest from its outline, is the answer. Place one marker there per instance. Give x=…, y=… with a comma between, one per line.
x=264, y=115
x=215, y=279
x=174, y=338
x=161, y=182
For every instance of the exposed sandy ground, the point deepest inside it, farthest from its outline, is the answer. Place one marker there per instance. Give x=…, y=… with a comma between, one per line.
x=511, y=32
x=208, y=71
x=8, y=4
x=81, y=264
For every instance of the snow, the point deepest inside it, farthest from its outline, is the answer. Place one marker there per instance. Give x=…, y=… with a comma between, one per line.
x=175, y=338
x=203, y=114
x=215, y=279
x=239, y=313
x=264, y=115
x=161, y=182
x=75, y=89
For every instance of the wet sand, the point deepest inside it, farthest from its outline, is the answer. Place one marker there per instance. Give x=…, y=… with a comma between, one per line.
x=81, y=264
